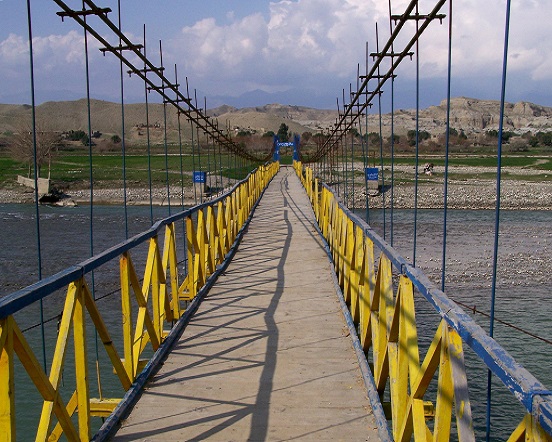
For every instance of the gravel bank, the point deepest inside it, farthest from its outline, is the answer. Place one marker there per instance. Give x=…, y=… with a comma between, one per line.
x=475, y=194
x=469, y=193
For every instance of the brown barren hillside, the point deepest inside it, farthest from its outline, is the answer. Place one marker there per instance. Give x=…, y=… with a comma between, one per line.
x=467, y=114
x=106, y=118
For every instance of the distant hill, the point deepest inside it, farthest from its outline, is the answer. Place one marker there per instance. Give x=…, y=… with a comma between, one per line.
x=467, y=114
x=106, y=118
x=270, y=116
x=474, y=116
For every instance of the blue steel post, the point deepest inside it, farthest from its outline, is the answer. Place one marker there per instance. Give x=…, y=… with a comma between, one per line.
x=276, y=149
x=296, y=152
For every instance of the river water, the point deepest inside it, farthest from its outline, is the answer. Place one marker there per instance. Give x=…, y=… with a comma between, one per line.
x=522, y=295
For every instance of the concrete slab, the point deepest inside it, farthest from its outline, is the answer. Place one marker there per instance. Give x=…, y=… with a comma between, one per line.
x=267, y=356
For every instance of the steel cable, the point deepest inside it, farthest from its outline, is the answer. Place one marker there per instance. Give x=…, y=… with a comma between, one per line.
x=35, y=163
x=497, y=209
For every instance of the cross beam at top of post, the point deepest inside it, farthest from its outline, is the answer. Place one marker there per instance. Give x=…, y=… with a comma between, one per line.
x=145, y=71
x=439, y=17
x=403, y=54
x=84, y=12
x=127, y=47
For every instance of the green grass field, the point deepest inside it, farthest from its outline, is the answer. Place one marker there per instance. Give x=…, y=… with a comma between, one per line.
x=72, y=168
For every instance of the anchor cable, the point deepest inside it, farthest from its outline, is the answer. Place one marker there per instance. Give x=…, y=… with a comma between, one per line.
x=148, y=136
x=447, y=146
x=417, y=155
x=123, y=147
x=35, y=165
x=497, y=208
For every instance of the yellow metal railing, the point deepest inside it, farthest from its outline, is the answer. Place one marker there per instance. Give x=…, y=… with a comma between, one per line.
x=147, y=307
x=385, y=321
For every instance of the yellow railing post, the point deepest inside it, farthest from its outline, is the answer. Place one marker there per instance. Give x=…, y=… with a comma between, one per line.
x=56, y=369
x=220, y=251
x=157, y=292
x=367, y=284
x=170, y=264
x=356, y=268
x=81, y=364
x=212, y=234
x=7, y=385
x=316, y=202
x=127, y=317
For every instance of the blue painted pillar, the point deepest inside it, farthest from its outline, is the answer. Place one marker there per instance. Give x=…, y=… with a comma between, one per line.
x=276, y=149
x=296, y=153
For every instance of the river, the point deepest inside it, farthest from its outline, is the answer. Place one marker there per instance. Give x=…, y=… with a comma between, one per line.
x=522, y=295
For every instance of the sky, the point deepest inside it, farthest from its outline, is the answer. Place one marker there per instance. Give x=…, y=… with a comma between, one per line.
x=297, y=52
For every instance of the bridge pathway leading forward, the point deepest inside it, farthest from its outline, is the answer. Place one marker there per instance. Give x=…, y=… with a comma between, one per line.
x=267, y=356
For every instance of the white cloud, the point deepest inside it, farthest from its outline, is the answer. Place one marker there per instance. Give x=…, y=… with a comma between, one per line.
x=52, y=52
x=325, y=40
x=478, y=37
x=318, y=43
x=13, y=49
x=207, y=47
x=58, y=64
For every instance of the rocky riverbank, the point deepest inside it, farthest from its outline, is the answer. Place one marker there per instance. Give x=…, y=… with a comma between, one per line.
x=134, y=196
x=475, y=195
x=531, y=190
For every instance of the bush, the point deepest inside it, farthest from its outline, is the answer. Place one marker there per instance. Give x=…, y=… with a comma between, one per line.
x=77, y=135
x=544, y=138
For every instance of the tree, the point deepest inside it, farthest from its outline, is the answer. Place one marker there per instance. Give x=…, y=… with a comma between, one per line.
x=319, y=139
x=261, y=144
x=85, y=140
x=544, y=138
x=422, y=135
x=77, y=135
x=373, y=138
x=396, y=139
x=116, y=139
x=283, y=134
x=21, y=147
x=269, y=134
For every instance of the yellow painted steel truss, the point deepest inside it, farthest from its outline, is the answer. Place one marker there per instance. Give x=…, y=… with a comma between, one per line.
x=386, y=324
x=147, y=307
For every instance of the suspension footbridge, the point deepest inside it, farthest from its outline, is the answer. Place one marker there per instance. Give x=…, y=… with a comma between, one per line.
x=267, y=311
x=268, y=353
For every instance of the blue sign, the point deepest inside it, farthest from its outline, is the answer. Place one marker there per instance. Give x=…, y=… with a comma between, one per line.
x=286, y=144
x=372, y=173
x=200, y=177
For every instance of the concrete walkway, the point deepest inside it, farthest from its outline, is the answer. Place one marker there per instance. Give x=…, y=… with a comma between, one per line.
x=267, y=356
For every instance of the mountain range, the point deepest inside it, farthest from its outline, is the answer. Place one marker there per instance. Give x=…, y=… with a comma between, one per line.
x=467, y=114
